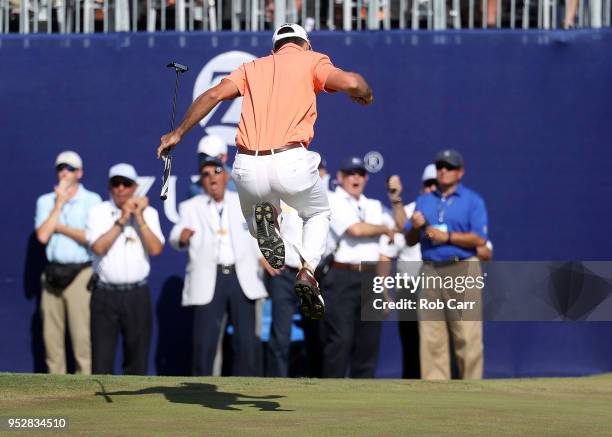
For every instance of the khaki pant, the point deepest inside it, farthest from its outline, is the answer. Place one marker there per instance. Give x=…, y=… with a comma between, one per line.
x=72, y=304
x=435, y=326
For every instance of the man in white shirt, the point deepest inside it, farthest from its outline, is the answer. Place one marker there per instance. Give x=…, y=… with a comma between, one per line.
x=224, y=271
x=122, y=232
x=409, y=262
x=356, y=225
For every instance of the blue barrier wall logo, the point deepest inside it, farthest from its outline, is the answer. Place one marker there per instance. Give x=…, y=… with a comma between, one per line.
x=211, y=74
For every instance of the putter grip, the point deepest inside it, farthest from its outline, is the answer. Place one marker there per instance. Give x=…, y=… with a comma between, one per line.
x=166, y=178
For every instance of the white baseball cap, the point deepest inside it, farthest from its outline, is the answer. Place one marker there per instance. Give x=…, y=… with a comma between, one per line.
x=296, y=31
x=429, y=173
x=212, y=145
x=124, y=170
x=69, y=157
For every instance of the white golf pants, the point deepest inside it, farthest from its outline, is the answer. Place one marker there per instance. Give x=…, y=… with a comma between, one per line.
x=293, y=177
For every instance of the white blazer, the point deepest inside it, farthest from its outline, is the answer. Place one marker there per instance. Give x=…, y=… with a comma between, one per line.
x=201, y=271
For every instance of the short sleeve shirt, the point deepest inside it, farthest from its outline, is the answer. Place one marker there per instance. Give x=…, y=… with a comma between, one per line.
x=462, y=211
x=127, y=261
x=280, y=91
x=346, y=211
x=61, y=248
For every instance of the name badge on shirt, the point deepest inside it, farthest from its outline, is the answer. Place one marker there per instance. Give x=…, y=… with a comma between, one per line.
x=441, y=226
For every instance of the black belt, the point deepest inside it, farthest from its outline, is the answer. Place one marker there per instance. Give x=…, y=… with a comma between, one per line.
x=269, y=151
x=446, y=262
x=75, y=266
x=121, y=287
x=226, y=269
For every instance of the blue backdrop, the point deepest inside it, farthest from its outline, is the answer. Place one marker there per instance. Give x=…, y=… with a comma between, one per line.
x=530, y=111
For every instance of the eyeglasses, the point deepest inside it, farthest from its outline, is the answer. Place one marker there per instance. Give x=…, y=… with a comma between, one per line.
x=217, y=170
x=446, y=166
x=359, y=171
x=68, y=167
x=116, y=181
x=430, y=182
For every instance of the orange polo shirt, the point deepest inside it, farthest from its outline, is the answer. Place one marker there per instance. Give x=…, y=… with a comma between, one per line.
x=280, y=90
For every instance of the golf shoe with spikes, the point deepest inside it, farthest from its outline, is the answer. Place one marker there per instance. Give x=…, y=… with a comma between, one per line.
x=268, y=238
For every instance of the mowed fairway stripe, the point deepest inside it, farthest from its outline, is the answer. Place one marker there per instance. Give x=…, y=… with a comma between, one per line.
x=135, y=406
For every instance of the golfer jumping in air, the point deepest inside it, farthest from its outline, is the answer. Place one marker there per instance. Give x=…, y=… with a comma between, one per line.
x=272, y=161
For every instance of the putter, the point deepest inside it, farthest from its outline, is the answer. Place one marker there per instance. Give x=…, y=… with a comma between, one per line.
x=178, y=69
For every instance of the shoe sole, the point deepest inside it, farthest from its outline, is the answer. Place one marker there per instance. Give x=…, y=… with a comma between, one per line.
x=312, y=305
x=268, y=239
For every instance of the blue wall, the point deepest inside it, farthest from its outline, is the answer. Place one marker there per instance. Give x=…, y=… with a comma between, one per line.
x=530, y=111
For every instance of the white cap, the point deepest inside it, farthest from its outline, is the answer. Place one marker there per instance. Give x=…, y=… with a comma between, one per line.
x=429, y=173
x=123, y=169
x=212, y=145
x=296, y=30
x=69, y=157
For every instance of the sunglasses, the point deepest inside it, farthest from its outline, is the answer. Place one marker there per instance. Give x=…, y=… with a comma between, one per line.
x=430, y=182
x=120, y=180
x=359, y=172
x=217, y=170
x=446, y=166
x=68, y=167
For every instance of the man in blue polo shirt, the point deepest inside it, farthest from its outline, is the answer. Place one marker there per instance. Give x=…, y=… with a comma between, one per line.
x=450, y=224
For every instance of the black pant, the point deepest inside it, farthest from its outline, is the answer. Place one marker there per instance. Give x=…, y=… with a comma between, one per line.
x=284, y=306
x=207, y=323
x=125, y=312
x=346, y=339
x=409, y=336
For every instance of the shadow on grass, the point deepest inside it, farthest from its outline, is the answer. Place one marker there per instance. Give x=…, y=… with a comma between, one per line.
x=206, y=395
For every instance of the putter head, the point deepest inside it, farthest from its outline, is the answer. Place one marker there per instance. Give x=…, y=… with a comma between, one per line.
x=179, y=68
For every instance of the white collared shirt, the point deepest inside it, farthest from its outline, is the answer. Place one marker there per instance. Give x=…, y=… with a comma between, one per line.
x=346, y=211
x=126, y=261
x=224, y=253
x=399, y=249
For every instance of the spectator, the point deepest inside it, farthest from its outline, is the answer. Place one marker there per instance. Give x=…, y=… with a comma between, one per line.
x=223, y=272
x=356, y=225
x=450, y=224
x=284, y=300
x=123, y=233
x=408, y=263
x=211, y=146
x=60, y=224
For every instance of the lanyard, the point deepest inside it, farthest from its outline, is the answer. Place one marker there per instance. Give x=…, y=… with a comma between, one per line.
x=442, y=205
x=361, y=213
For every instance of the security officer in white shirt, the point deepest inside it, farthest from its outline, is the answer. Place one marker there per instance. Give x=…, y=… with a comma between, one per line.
x=122, y=232
x=223, y=273
x=409, y=262
x=356, y=225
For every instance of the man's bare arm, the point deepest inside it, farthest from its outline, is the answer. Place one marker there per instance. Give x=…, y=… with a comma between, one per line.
x=199, y=109
x=76, y=234
x=363, y=229
x=352, y=84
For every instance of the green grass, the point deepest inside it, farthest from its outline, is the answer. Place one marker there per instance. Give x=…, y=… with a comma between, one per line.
x=134, y=406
